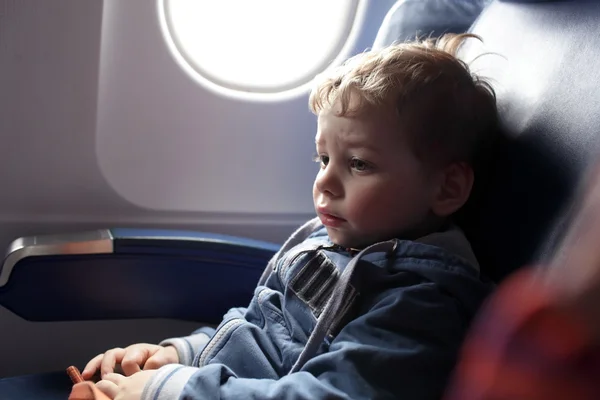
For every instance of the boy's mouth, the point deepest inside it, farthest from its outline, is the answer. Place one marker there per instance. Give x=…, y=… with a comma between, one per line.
x=329, y=219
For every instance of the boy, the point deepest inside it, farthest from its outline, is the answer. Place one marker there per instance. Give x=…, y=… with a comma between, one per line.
x=372, y=298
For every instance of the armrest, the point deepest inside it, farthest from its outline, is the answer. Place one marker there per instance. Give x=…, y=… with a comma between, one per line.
x=131, y=273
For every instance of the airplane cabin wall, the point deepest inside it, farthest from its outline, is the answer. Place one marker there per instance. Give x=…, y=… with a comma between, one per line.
x=89, y=98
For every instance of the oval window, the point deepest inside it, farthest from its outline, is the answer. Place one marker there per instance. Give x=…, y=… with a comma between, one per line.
x=259, y=45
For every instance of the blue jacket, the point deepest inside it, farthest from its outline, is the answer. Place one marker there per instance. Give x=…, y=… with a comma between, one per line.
x=327, y=324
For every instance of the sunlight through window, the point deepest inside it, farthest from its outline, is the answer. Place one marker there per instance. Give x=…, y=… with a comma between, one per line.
x=259, y=45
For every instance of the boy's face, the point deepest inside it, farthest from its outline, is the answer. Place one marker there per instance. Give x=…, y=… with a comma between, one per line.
x=371, y=187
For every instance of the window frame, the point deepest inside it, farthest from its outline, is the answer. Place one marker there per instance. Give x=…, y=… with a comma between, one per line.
x=338, y=53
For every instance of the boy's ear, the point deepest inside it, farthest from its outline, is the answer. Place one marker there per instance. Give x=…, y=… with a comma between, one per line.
x=454, y=189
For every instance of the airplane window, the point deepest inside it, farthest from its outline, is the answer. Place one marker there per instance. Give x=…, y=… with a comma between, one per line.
x=264, y=46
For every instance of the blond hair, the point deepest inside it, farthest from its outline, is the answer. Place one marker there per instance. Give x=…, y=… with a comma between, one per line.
x=445, y=109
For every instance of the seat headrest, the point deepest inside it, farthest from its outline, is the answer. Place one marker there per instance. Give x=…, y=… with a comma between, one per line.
x=409, y=19
x=546, y=80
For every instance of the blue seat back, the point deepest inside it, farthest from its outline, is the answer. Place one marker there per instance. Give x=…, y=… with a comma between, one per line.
x=546, y=78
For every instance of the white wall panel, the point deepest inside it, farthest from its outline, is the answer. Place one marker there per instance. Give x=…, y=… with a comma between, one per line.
x=100, y=127
x=159, y=128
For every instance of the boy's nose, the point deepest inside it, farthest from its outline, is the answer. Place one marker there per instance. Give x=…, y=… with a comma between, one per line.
x=328, y=183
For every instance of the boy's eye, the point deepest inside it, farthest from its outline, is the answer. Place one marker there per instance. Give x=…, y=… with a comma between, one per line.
x=323, y=160
x=359, y=165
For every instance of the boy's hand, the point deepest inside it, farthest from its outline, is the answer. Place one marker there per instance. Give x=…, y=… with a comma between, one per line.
x=119, y=387
x=132, y=359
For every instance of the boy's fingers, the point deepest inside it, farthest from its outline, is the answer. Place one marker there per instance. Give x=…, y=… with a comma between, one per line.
x=114, y=378
x=133, y=359
x=92, y=366
x=107, y=387
x=110, y=359
x=164, y=356
x=156, y=361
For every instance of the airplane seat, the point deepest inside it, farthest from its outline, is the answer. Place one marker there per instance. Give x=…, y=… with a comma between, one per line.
x=408, y=19
x=545, y=81
x=546, y=84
